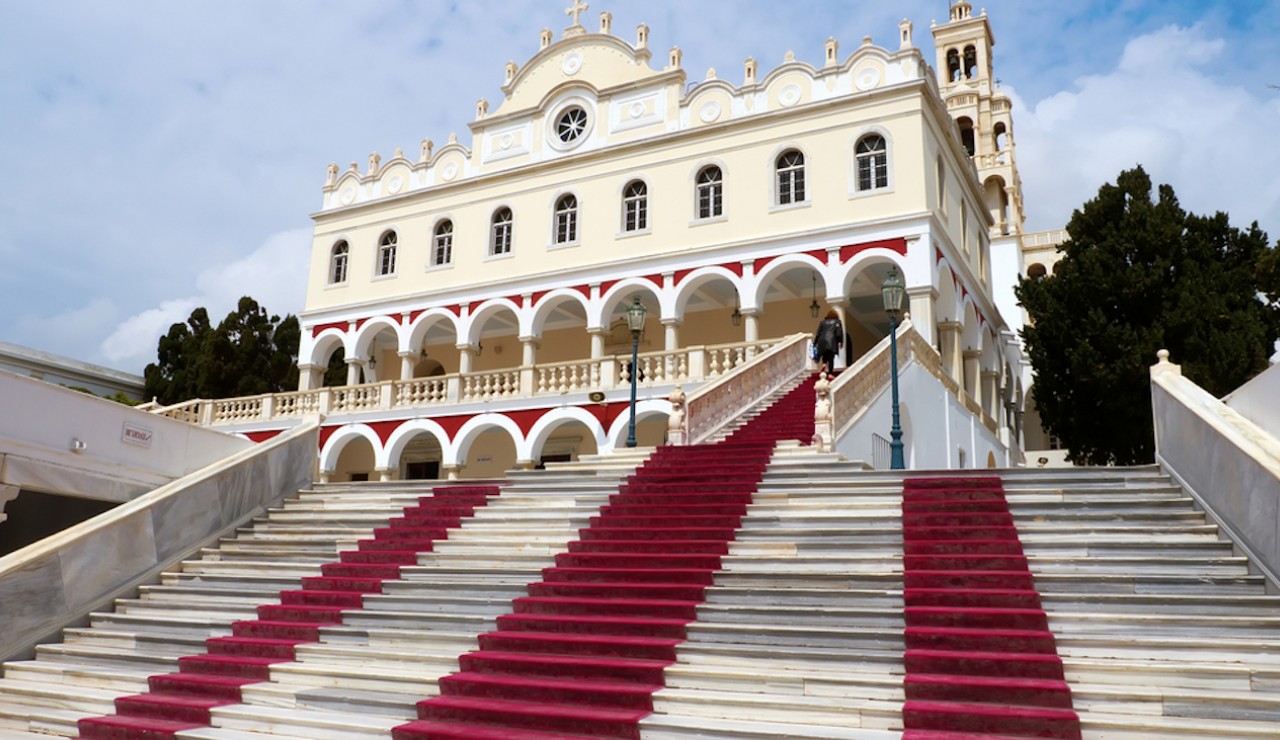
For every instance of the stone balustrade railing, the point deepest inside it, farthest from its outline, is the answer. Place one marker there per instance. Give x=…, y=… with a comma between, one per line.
x=687, y=364
x=867, y=378
x=706, y=411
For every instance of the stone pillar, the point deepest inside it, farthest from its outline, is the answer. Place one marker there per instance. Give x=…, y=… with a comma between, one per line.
x=466, y=358
x=751, y=319
x=921, y=306
x=949, y=347
x=530, y=347
x=353, y=370
x=526, y=464
x=384, y=474
x=407, y=361
x=972, y=375
x=308, y=376
x=326, y=476
x=990, y=393
x=597, y=343
x=451, y=471
x=672, y=334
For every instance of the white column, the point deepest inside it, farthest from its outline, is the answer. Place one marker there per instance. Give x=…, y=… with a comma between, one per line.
x=407, y=361
x=307, y=376
x=972, y=375
x=597, y=343
x=530, y=345
x=672, y=334
x=353, y=371
x=751, y=317
x=949, y=348
x=466, y=358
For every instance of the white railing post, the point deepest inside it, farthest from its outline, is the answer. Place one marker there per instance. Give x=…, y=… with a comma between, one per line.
x=206, y=413
x=453, y=388
x=268, y=406
x=697, y=363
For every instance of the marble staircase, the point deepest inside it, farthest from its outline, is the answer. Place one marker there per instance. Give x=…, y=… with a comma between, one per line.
x=1162, y=629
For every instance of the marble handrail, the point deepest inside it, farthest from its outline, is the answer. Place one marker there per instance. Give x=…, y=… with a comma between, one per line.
x=57, y=581
x=715, y=404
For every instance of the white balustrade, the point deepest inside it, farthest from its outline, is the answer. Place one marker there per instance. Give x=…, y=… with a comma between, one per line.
x=491, y=384
x=354, y=398
x=567, y=377
x=298, y=403
x=742, y=386
x=422, y=391
x=233, y=410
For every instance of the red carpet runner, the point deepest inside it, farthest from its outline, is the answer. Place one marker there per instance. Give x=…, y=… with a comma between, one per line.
x=181, y=701
x=980, y=659
x=582, y=654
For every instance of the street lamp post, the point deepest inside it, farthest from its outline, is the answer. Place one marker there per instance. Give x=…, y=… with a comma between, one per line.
x=894, y=294
x=635, y=321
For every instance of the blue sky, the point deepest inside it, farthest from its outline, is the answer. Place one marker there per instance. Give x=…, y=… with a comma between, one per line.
x=163, y=155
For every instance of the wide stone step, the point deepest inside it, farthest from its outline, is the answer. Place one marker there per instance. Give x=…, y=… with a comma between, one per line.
x=673, y=726
x=313, y=725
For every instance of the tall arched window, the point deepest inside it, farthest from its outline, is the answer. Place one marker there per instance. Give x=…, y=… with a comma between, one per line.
x=387, y=254
x=442, y=252
x=635, y=206
x=338, y=263
x=710, y=192
x=790, y=167
x=566, y=220
x=970, y=62
x=953, y=65
x=966, y=134
x=873, y=163
x=500, y=232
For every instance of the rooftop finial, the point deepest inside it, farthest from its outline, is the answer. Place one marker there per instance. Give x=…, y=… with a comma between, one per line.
x=575, y=9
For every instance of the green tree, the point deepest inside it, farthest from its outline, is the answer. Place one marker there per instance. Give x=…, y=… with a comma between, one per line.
x=248, y=353
x=1138, y=276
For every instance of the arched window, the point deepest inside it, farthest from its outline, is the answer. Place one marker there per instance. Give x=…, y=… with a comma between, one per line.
x=790, y=166
x=338, y=263
x=566, y=220
x=953, y=65
x=966, y=133
x=710, y=192
x=873, y=163
x=970, y=62
x=635, y=206
x=387, y=254
x=1001, y=136
x=942, y=185
x=500, y=232
x=442, y=251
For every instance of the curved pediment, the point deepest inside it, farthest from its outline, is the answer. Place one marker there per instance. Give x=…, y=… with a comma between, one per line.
x=596, y=60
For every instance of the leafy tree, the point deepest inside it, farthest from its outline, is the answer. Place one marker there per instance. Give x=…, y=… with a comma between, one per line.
x=1138, y=276
x=248, y=353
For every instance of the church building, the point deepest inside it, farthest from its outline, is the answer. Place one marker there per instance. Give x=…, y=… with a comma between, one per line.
x=467, y=302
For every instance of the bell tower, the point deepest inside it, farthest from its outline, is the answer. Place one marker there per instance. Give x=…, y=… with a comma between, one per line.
x=982, y=112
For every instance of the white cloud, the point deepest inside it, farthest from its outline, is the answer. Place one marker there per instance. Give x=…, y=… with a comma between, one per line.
x=269, y=275
x=1213, y=141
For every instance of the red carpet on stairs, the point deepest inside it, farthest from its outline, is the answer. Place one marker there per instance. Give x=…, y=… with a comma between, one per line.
x=181, y=701
x=980, y=659
x=583, y=653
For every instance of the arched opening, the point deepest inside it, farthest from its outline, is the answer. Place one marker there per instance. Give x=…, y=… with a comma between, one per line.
x=560, y=323
x=966, y=134
x=970, y=62
x=566, y=441
x=710, y=310
x=793, y=298
x=1001, y=136
x=490, y=455
x=866, y=322
x=953, y=65
x=356, y=461
x=997, y=202
x=421, y=458
x=435, y=338
x=1036, y=271
x=495, y=334
x=380, y=358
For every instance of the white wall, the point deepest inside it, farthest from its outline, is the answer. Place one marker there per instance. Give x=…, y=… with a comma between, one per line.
x=125, y=452
x=936, y=427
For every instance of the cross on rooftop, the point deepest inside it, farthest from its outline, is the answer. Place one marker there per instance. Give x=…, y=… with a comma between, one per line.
x=575, y=10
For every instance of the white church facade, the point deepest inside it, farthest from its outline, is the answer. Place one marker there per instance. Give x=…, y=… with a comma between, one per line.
x=476, y=291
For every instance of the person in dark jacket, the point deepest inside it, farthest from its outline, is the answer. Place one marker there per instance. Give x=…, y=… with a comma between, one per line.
x=828, y=339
